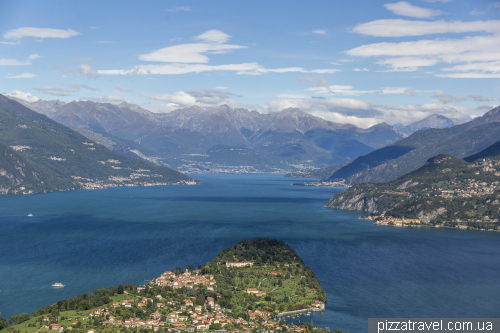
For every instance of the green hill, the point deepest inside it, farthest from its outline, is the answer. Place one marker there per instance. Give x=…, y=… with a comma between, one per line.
x=63, y=159
x=445, y=191
x=260, y=250
x=237, y=299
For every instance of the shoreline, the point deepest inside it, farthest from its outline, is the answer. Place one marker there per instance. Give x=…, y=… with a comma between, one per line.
x=290, y=313
x=461, y=227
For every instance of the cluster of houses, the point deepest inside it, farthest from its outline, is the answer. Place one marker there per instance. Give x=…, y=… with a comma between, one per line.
x=187, y=279
x=177, y=314
x=196, y=319
x=394, y=221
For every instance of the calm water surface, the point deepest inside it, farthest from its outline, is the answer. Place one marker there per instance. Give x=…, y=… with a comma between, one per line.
x=93, y=239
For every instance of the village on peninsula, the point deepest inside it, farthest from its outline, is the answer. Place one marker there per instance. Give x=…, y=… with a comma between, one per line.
x=264, y=282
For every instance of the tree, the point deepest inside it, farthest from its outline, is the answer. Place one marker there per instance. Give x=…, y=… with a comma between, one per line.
x=120, y=289
x=216, y=326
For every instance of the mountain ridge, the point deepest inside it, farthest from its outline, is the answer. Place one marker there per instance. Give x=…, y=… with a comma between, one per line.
x=59, y=158
x=289, y=139
x=388, y=163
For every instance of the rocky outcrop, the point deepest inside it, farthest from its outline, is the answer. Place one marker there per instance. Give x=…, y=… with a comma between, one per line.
x=356, y=200
x=431, y=216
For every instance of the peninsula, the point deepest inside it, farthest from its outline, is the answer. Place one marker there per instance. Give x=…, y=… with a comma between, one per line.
x=446, y=192
x=247, y=287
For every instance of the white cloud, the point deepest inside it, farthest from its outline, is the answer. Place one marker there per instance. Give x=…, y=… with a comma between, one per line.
x=78, y=86
x=39, y=33
x=123, y=89
x=171, y=69
x=87, y=70
x=477, y=12
x=11, y=43
x=473, y=75
x=83, y=70
x=11, y=62
x=429, y=47
x=188, y=53
x=54, y=91
x=480, y=98
x=484, y=67
x=180, y=9
x=411, y=92
x=160, y=108
x=34, y=56
x=480, y=53
x=447, y=98
x=202, y=98
x=21, y=76
x=407, y=64
x=319, y=32
x=404, y=8
x=25, y=96
x=401, y=28
x=361, y=69
x=213, y=36
x=107, y=99
x=349, y=91
x=292, y=96
x=179, y=97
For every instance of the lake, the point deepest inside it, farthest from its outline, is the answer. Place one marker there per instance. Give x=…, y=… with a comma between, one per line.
x=93, y=239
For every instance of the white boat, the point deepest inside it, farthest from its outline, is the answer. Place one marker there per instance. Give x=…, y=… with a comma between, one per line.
x=30, y=214
x=58, y=285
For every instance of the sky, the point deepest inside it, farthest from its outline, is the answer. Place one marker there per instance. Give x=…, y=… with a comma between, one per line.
x=360, y=62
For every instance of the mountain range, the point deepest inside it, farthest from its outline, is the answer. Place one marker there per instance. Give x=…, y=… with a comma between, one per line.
x=38, y=154
x=392, y=161
x=187, y=139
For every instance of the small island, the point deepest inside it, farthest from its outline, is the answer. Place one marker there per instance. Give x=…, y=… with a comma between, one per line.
x=248, y=287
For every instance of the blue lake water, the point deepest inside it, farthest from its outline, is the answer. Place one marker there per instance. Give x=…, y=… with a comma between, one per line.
x=93, y=239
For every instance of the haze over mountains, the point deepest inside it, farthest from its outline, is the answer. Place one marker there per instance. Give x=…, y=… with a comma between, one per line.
x=220, y=139
x=431, y=121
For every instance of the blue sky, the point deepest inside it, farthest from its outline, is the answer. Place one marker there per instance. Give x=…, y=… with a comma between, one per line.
x=359, y=62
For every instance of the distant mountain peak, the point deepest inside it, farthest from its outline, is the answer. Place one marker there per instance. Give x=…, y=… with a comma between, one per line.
x=381, y=125
x=431, y=121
